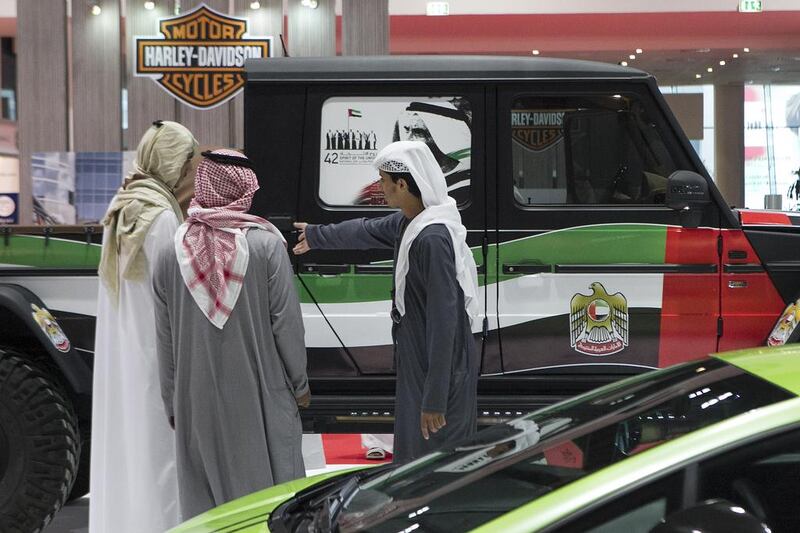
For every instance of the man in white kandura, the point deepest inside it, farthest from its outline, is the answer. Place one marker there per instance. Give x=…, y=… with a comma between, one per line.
x=435, y=297
x=133, y=477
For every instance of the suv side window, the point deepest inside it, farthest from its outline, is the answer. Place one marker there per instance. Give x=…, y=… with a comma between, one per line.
x=579, y=149
x=354, y=128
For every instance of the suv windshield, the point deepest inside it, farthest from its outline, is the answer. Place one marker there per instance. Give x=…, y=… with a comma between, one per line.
x=510, y=464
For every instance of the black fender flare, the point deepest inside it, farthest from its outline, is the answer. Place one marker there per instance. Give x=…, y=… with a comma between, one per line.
x=19, y=300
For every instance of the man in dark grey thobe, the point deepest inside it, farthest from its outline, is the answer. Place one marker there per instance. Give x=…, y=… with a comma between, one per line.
x=435, y=298
x=230, y=343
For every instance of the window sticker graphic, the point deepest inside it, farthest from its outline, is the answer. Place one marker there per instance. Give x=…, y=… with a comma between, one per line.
x=536, y=129
x=355, y=129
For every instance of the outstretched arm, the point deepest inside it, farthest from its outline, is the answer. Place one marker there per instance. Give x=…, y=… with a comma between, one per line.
x=356, y=234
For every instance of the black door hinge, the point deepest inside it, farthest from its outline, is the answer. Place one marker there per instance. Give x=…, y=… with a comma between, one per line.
x=719, y=326
x=719, y=245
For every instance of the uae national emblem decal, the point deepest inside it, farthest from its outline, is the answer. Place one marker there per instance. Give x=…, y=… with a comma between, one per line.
x=598, y=322
x=51, y=328
x=199, y=56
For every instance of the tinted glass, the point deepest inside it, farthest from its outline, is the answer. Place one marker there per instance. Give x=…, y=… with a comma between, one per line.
x=587, y=150
x=511, y=464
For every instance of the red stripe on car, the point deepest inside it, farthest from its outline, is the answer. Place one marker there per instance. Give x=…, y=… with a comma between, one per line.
x=760, y=218
x=689, y=302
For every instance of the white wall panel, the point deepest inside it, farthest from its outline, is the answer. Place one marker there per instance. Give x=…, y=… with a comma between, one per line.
x=312, y=32
x=210, y=126
x=147, y=101
x=365, y=27
x=41, y=87
x=264, y=22
x=96, y=82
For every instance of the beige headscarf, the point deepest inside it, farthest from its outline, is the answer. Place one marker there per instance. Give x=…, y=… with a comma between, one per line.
x=161, y=156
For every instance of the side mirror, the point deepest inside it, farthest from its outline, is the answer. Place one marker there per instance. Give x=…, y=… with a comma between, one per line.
x=687, y=193
x=711, y=516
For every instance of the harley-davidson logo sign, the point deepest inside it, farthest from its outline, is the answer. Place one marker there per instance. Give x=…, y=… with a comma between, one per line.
x=537, y=129
x=199, y=56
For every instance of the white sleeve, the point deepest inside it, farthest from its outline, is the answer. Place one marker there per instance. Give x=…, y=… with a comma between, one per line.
x=161, y=233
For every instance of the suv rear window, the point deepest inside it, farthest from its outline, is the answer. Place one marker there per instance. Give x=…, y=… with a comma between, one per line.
x=586, y=150
x=511, y=464
x=354, y=129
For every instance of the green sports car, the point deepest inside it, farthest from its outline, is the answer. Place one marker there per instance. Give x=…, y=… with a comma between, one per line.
x=710, y=445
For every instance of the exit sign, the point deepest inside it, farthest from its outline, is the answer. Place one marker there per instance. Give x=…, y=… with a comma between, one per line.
x=751, y=6
x=438, y=9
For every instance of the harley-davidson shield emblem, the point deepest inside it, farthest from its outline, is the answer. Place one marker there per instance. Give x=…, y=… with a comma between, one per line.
x=598, y=322
x=537, y=129
x=199, y=56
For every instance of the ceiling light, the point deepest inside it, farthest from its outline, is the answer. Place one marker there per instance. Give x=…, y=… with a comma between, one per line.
x=639, y=51
x=776, y=69
x=149, y=6
x=746, y=50
x=631, y=56
x=311, y=4
x=735, y=56
x=722, y=63
x=698, y=76
x=255, y=5
x=617, y=96
x=95, y=9
x=535, y=52
x=709, y=69
x=623, y=63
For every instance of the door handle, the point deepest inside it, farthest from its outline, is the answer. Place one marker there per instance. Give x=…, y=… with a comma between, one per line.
x=324, y=270
x=284, y=223
x=509, y=268
x=374, y=269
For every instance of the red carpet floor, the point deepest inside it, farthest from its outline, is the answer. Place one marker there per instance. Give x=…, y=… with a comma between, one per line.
x=345, y=449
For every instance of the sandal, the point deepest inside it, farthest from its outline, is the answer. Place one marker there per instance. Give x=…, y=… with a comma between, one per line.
x=376, y=454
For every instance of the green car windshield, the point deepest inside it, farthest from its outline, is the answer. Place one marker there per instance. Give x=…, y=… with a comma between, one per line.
x=511, y=464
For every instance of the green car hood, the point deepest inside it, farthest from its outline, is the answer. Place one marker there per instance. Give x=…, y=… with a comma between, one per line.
x=779, y=365
x=249, y=514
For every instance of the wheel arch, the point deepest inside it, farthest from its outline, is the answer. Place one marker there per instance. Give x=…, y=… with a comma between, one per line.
x=18, y=324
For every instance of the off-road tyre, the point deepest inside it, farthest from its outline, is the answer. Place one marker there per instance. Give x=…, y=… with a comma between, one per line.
x=81, y=485
x=39, y=445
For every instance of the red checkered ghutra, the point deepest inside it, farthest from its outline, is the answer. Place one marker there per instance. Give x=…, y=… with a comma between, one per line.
x=213, y=254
